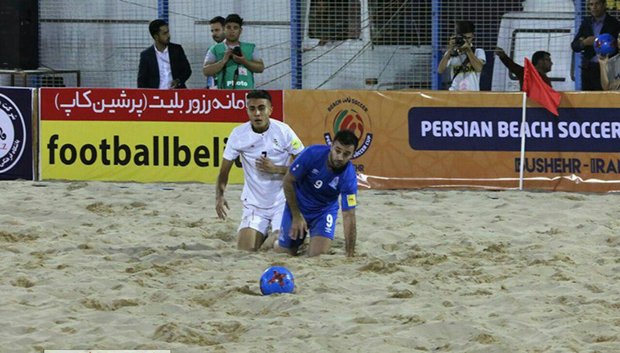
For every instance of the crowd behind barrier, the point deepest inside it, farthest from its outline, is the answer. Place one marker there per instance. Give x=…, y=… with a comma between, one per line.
x=340, y=48
x=231, y=64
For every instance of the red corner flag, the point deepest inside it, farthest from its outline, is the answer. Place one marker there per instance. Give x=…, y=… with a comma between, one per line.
x=538, y=90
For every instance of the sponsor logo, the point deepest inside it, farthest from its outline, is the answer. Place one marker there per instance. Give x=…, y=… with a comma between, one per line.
x=12, y=134
x=351, y=200
x=349, y=114
x=499, y=129
x=334, y=183
x=296, y=143
x=113, y=151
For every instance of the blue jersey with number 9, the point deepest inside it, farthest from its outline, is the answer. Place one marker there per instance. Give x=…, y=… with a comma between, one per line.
x=317, y=187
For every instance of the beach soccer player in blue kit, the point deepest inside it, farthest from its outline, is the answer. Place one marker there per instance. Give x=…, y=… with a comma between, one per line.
x=312, y=185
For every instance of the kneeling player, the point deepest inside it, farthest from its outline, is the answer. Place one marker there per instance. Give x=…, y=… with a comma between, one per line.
x=312, y=185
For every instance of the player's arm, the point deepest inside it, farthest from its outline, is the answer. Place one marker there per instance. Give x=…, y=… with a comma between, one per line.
x=221, y=205
x=350, y=231
x=298, y=226
x=266, y=165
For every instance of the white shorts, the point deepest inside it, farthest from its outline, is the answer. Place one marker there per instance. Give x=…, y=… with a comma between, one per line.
x=262, y=219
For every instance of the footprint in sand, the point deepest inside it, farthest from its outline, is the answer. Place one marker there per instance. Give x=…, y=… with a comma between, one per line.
x=100, y=208
x=112, y=306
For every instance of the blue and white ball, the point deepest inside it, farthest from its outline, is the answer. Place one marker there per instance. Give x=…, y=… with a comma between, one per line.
x=277, y=279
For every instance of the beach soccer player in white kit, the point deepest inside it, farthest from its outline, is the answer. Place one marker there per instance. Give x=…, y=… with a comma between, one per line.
x=266, y=147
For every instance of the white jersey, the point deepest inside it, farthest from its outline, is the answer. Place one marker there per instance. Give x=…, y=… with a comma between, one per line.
x=466, y=79
x=278, y=143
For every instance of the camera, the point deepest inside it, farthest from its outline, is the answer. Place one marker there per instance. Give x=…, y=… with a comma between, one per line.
x=459, y=40
x=237, y=51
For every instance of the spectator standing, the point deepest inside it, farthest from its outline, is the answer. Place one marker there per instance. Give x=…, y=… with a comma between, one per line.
x=541, y=61
x=465, y=62
x=598, y=22
x=217, y=33
x=233, y=62
x=163, y=65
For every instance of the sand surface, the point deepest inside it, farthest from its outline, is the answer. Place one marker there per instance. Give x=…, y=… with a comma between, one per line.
x=92, y=265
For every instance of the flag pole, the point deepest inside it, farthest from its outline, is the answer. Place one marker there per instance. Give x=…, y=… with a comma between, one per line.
x=522, y=160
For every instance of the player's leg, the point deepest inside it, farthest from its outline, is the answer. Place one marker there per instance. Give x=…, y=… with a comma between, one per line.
x=253, y=227
x=285, y=244
x=319, y=245
x=249, y=239
x=292, y=250
x=276, y=223
x=270, y=240
x=322, y=233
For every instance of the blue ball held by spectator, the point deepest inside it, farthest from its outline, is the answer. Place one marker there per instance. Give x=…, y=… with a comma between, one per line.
x=605, y=44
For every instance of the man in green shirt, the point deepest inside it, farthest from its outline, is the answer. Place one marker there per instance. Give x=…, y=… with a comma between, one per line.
x=233, y=62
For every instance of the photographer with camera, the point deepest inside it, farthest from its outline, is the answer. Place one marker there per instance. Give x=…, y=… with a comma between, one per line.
x=466, y=64
x=233, y=62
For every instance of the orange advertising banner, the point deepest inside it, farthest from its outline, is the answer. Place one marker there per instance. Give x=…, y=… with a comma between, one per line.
x=443, y=139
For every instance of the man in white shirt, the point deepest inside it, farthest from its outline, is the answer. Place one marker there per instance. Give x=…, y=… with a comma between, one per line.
x=466, y=64
x=163, y=65
x=266, y=147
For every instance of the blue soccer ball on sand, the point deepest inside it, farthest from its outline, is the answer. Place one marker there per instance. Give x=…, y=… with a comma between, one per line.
x=605, y=44
x=277, y=279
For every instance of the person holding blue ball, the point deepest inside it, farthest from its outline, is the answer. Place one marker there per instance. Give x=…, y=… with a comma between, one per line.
x=592, y=26
x=609, y=62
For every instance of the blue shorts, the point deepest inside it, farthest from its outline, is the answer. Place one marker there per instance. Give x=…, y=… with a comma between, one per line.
x=321, y=224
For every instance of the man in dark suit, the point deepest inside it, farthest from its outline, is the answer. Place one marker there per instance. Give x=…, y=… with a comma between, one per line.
x=163, y=65
x=591, y=27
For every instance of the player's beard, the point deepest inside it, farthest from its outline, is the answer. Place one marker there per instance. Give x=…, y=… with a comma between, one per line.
x=332, y=165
